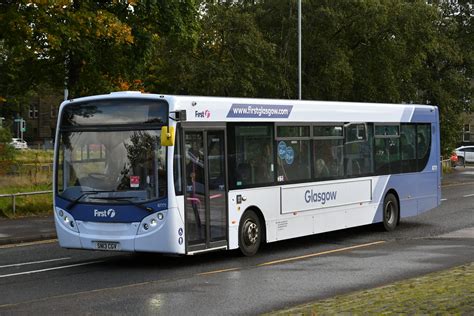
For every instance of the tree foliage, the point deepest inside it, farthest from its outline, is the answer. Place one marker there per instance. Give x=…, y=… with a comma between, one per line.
x=411, y=51
x=6, y=150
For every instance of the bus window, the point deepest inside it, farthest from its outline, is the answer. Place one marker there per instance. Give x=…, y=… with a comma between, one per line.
x=328, y=151
x=387, y=149
x=423, y=142
x=358, y=157
x=293, y=153
x=251, y=155
x=125, y=161
x=408, y=147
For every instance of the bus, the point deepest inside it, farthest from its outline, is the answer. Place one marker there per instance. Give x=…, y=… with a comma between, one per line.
x=171, y=174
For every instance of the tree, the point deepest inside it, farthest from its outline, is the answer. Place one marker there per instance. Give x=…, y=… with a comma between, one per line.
x=7, y=152
x=229, y=58
x=447, y=79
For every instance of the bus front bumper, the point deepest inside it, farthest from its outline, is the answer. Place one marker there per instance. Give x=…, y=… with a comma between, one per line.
x=155, y=233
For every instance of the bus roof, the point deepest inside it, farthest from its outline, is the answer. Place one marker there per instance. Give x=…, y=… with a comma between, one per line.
x=227, y=109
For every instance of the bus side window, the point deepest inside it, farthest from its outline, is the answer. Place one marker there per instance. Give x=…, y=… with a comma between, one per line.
x=408, y=147
x=358, y=157
x=293, y=153
x=328, y=151
x=387, y=149
x=251, y=159
x=423, y=144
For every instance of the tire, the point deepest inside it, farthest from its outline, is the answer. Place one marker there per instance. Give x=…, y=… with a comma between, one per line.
x=250, y=233
x=391, y=212
x=460, y=161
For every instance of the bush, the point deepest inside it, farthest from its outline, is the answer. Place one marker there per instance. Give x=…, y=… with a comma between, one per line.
x=7, y=152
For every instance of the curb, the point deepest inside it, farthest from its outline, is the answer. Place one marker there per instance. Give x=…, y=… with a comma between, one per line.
x=20, y=240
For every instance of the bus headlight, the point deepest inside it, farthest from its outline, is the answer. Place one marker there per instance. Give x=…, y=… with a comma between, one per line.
x=152, y=222
x=66, y=219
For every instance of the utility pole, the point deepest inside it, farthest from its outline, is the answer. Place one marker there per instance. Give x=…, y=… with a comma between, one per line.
x=299, y=49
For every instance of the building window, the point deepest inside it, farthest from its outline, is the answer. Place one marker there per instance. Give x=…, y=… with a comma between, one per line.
x=466, y=135
x=33, y=111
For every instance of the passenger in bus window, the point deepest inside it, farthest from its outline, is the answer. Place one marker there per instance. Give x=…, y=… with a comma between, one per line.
x=195, y=171
x=320, y=169
x=265, y=173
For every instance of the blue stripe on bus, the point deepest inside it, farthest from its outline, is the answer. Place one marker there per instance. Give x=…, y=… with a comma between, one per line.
x=111, y=213
x=423, y=115
x=415, y=192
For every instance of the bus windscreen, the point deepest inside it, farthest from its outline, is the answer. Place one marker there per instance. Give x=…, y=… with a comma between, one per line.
x=119, y=165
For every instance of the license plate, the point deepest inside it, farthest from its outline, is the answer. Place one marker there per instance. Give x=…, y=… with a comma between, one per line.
x=107, y=245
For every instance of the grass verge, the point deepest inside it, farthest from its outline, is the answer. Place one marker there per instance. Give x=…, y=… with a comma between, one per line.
x=26, y=205
x=449, y=292
x=31, y=171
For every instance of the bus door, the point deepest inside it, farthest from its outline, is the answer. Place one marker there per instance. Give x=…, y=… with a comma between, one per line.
x=205, y=189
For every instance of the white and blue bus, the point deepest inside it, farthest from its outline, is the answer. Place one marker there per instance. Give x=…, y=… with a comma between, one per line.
x=185, y=174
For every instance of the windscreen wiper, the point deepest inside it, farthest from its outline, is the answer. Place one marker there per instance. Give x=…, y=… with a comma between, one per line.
x=126, y=199
x=84, y=193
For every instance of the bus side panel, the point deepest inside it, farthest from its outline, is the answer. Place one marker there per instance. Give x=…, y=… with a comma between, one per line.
x=267, y=200
x=406, y=187
x=429, y=195
x=350, y=216
x=437, y=154
x=428, y=191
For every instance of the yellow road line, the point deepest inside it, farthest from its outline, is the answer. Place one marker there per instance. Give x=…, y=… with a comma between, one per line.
x=320, y=253
x=24, y=244
x=218, y=271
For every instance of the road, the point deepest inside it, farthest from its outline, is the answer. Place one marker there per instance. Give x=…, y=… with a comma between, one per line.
x=43, y=278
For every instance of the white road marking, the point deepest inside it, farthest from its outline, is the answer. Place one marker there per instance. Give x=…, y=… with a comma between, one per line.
x=33, y=262
x=442, y=200
x=4, y=235
x=469, y=195
x=50, y=269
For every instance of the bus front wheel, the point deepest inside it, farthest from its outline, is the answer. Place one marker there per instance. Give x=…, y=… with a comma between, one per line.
x=250, y=233
x=391, y=212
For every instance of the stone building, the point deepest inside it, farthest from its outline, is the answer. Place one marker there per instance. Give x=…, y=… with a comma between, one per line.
x=467, y=133
x=40, y=116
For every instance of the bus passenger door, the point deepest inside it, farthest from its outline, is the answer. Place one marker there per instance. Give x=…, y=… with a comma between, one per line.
x=205, y=196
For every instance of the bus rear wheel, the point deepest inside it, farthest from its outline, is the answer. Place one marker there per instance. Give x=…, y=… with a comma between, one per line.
x=391, y=212
x=250, y=233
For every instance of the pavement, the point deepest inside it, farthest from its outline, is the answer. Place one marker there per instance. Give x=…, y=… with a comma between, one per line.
x=28, y=229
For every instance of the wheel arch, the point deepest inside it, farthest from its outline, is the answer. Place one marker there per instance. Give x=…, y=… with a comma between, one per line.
x=261, y=218
x=395, y=193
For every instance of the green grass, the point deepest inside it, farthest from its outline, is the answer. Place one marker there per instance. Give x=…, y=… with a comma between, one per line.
x=26, y=205
x=449, y=292
x=31, y=171
x=34, y=156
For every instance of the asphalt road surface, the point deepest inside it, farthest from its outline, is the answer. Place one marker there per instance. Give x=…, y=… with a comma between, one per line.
x=42, y=278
